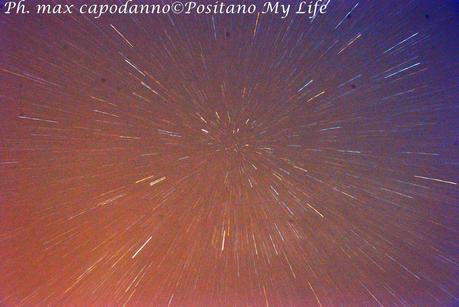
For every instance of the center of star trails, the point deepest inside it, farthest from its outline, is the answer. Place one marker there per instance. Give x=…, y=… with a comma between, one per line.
x=230, y=141
x=226, y=138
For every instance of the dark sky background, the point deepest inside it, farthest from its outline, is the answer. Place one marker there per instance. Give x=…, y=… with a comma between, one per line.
x=230, y=160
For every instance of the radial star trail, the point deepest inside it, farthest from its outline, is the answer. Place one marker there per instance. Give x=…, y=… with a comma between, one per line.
x=231, y=160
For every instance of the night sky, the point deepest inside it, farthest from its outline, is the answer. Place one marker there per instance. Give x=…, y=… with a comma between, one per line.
x=231, y=160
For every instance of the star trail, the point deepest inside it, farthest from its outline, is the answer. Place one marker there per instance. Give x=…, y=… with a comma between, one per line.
x=231, y=160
